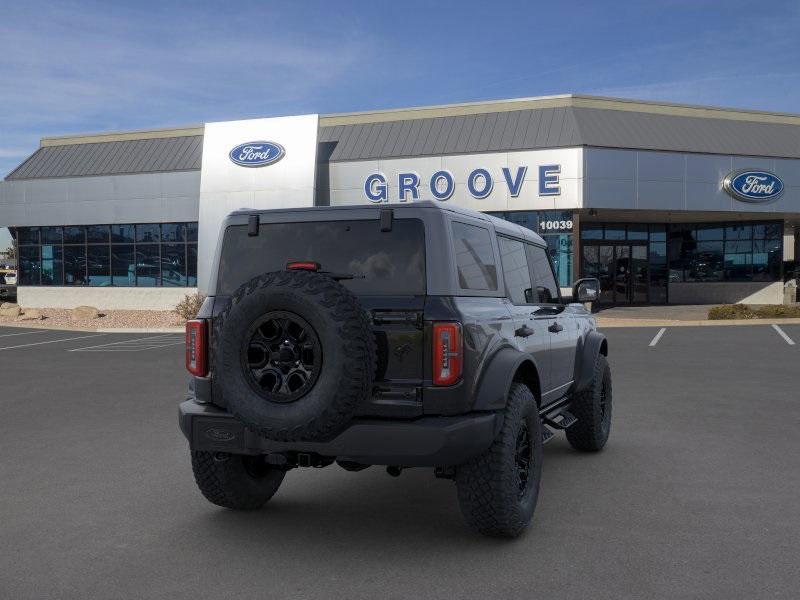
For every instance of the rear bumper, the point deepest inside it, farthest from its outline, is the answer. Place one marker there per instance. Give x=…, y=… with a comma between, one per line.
x=424, y=442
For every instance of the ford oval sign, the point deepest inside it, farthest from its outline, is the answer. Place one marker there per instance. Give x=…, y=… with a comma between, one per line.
x=257, y=154
x=753, y=186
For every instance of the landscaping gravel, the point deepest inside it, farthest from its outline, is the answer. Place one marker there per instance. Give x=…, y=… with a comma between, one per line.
x=55, y=318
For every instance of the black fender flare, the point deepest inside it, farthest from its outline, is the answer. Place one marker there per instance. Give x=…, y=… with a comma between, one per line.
x=594, y=344
x=494, y=385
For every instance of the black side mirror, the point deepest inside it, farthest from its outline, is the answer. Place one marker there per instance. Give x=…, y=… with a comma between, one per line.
x=586, y=290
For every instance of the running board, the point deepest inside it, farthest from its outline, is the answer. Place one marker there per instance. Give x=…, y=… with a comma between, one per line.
x=561, y=421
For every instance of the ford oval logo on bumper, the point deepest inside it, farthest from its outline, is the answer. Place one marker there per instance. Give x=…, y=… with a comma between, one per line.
x=257, y=154
x=750, y=185
x=218, y=434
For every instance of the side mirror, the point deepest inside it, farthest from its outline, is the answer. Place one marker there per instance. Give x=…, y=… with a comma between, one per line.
x=586, y=290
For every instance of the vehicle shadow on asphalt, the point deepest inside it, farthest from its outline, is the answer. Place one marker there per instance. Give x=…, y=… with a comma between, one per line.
x=332, y=506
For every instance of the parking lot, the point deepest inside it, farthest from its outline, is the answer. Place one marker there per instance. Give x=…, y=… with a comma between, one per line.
x=696, y=495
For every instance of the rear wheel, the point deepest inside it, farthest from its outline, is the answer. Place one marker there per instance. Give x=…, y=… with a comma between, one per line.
x=592, y=407
x=498, y=489
x=234, y=480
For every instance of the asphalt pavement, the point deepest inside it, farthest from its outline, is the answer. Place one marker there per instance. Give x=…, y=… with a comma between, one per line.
x=695, y=496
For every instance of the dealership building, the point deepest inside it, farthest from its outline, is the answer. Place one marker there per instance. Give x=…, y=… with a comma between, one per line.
x=665, y=203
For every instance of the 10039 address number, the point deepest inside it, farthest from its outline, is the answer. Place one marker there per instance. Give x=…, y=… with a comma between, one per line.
x=565, y=225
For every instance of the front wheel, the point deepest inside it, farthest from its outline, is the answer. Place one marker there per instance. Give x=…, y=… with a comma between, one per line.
x=498, y=489
x=235, y=481
x=592, y=407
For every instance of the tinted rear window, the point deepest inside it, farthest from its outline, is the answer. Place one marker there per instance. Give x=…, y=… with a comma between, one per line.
x=392, y=262
x=474, y=257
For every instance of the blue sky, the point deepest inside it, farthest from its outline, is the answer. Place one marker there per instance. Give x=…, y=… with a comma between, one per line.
x=74, y=67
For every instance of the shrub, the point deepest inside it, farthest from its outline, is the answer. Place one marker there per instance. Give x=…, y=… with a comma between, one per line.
x=780, y=311
x=731, y=311
x=746, y=311
x=190, y=305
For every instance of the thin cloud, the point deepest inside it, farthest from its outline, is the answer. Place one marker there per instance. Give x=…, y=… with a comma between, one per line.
x=80, y=69
x=72, y=67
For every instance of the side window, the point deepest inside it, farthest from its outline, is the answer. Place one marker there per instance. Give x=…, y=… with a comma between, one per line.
x=545, y=287
x=515, y=270
x=474, y=257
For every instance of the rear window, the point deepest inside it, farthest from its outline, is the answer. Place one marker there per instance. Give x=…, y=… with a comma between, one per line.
x=392, y=262
x=474, y=257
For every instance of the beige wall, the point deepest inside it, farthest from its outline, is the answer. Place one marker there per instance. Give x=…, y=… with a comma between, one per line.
x=104, y=298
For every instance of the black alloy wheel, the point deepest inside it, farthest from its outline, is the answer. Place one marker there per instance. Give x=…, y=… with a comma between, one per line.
x=523, y=457
x=605, y=420
x=282, y=357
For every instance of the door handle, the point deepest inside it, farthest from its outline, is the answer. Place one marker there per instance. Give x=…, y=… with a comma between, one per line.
x=555, y=327
x=523, y=331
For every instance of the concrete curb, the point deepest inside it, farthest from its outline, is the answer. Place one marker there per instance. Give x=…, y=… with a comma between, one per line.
x=609, y=322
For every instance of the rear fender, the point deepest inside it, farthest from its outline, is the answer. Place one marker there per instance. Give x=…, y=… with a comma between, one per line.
x=496, y=381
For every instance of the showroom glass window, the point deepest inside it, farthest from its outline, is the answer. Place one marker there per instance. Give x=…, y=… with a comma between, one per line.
x=746, y=251
x=127, y=255
x=557, y=228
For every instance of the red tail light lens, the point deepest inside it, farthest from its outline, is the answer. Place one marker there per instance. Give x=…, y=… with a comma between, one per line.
x=197, y=347
x=303, y=265
x=448, y=355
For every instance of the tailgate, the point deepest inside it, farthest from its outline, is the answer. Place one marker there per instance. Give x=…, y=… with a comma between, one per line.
x=400, y=339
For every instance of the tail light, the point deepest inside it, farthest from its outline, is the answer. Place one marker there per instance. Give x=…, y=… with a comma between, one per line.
x=448, y=353
x=197, y=347
x=303, y=265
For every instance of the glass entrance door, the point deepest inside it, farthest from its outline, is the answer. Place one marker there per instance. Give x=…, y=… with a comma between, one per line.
x=639, y=281
x=622, y=269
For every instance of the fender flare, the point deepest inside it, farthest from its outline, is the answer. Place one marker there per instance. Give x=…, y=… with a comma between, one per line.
x=494, y=385
x=594, y=344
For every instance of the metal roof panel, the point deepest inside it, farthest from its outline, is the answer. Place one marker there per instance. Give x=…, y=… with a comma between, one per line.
x=591, y=124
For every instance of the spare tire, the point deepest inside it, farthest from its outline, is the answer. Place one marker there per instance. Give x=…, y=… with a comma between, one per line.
x=293, y=354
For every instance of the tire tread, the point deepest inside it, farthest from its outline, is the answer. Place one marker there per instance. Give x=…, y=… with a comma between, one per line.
x=587, y=434
x=487, y=491
x=360, y=348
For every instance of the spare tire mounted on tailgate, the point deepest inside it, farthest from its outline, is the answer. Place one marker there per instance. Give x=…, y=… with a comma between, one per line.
x=294, y=354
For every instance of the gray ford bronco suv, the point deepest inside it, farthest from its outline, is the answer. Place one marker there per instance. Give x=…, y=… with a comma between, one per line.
x=415, y=335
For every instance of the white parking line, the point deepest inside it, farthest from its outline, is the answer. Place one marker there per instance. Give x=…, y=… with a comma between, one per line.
x=782, y=333
x=131, y=344
x=24, y=333
x=658, y=336
x=82, y=337
x=137, y=348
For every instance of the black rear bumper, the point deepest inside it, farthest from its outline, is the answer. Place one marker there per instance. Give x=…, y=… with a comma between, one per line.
x=424, y=442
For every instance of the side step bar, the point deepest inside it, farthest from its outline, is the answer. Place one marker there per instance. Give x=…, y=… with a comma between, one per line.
x=562, y=420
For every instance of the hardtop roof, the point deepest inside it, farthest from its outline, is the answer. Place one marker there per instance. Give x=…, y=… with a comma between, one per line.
x=500, y=225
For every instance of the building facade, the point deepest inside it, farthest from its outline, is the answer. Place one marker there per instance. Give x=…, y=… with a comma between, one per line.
x=664, y=203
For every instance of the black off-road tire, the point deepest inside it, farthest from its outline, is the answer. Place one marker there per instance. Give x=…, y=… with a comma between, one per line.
x=234, y=480
x=592, y=407
x=488, y=485
x=346, y=341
